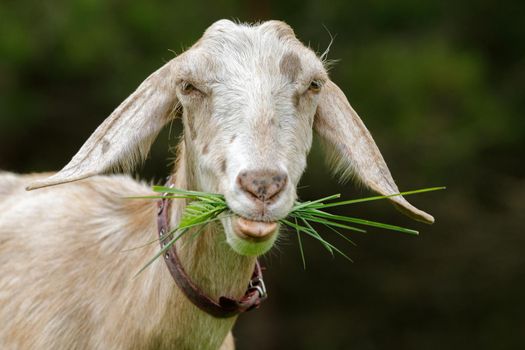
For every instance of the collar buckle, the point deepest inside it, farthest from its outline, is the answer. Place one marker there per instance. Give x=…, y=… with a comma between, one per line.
x=257, y=284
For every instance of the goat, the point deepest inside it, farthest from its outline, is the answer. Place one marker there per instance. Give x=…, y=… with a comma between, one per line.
x=250, y=97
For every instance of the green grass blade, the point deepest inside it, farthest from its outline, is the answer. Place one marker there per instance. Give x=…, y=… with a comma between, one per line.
x=309, y=203
x=162, y=251
x=313, y=233
x=178, y=191
x=200, y=218
x=140, y=246
x=327, y=245
x=374, y=198
x=159, y=197
x=365, y=222
x=196, y=233
x=342, y=235
x=197, y=223
x=331, y=223
x=300, y=245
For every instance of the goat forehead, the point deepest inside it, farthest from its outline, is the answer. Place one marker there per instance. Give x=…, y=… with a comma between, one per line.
x=226, y=35
x=233, y=50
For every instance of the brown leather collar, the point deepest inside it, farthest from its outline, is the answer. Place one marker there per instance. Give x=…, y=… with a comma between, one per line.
x=225, y=307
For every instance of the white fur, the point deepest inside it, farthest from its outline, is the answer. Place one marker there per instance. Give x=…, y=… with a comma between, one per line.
x=248, y=103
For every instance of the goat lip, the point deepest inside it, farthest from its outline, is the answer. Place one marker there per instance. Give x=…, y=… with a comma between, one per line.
x=256, y=231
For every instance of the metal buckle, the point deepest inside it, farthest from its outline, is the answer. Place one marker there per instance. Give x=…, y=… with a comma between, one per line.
x=258, y=284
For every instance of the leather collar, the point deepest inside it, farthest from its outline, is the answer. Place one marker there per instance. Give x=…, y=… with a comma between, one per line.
x=225, y=307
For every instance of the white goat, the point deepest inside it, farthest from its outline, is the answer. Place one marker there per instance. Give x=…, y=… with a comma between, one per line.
x=250, y=98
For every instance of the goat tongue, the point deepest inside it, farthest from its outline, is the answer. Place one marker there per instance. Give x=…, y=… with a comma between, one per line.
x=256, y=230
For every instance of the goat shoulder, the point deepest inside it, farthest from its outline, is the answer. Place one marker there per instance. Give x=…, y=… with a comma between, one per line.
x=64, y=278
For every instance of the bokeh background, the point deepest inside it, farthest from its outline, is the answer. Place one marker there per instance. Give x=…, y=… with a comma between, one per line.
x=440, y=85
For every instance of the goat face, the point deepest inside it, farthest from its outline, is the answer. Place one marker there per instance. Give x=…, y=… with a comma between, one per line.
x=250, y=97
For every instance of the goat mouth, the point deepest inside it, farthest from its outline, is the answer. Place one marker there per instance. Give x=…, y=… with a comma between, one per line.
x=255, y=231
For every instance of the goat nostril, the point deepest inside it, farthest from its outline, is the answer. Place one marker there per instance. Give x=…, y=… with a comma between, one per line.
x=264, y=185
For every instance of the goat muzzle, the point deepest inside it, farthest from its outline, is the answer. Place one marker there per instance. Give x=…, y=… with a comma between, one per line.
x=264, y=186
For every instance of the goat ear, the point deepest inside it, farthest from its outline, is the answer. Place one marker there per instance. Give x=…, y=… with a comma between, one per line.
x=353, y=151
x=125, y=137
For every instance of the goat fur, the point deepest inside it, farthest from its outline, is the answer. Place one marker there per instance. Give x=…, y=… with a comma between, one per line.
x=248, y=100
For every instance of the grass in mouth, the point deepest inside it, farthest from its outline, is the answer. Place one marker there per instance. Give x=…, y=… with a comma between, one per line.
x=204, y=208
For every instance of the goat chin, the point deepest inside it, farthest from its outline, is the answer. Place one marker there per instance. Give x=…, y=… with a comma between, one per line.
x=248, y=245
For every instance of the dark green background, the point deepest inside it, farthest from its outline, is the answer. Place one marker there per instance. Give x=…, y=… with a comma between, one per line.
x=439, y=84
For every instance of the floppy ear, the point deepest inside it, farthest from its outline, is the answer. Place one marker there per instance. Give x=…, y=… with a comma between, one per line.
x=125, y=137
x=353, y=151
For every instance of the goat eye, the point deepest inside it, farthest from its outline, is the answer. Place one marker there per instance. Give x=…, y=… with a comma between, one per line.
x=187, y=88
x=315, y=86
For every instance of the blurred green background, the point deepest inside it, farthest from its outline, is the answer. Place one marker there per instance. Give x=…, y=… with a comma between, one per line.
x=440, y=85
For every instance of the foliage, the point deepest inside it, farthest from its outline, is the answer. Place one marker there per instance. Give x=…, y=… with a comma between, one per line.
x=205, y=207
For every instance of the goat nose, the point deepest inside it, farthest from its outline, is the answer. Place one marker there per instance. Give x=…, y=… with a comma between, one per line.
x=264, y=185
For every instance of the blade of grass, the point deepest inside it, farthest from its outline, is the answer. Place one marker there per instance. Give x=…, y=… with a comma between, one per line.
x=365, y=222
x=300, y=245
x=196, y=233
x=330, y=245
x=164, y=189
x=308, y=203
x=140, y=246
x=331, y=223
x=374, y=198
x=341, y=235
x=203, y=217
x=327, y=245
x=162, y=251
x=196, y=224
x=316, y=235
x=301, y=229
x=159, y=197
